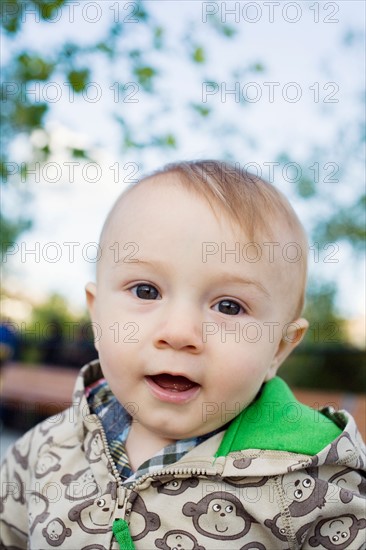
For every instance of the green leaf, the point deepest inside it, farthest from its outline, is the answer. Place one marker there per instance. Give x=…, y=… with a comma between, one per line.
x=306, y=187
x=4, y=171
x=258, y=68
x=10, y=231
x=128, y=143
x=203, y=111
x=78, y=79
x=158, y=37
x=165, y=141
x=23, y=171
x=141, y=14
x=199, y=55
x=79, y=153
x=29, y=116
x=104, y=48
x=170, y=140
x=33, y=67
x=228, y=31
x=220, y=27
x=145, y=77
x=11, y=16
x=48, y=8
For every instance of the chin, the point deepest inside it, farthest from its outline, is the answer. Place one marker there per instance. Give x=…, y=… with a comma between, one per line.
x=177, y=434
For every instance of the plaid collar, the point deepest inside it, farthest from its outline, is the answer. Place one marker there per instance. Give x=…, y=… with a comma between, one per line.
x=116, y=423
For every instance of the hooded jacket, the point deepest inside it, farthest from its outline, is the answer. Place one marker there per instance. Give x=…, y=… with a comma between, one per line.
x=281, y=476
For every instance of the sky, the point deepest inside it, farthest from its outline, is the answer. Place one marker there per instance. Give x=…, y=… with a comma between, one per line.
x=316, y=82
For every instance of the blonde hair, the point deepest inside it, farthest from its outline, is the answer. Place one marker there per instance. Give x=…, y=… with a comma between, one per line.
x=252, y=202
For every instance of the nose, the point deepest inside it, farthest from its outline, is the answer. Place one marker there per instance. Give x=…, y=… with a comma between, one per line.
x=180, y=329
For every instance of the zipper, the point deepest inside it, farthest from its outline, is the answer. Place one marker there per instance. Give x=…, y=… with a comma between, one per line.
x=108, y=453
x=121, y=526
x=157, y=473
x=209, y=471
x=174, y=471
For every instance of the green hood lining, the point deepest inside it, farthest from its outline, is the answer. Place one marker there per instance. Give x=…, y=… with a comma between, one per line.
x=277, y=421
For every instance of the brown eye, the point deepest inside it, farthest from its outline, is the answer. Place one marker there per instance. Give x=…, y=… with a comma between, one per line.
x=229, y=307
x=145, y=292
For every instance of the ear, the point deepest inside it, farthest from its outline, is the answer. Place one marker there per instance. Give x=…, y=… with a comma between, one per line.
x=91, y=294
x=293, y=333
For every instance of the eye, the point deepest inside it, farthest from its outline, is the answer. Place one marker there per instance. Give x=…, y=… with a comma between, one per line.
x=229, y=307
x=344, y=535
x=216, y=507
x=298, y=494
x=145, y=291
x=335, y=538
x=229, y=508
x=306, y=483
x=101, y=502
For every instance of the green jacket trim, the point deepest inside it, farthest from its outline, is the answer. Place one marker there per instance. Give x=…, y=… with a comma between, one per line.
x=277, y=421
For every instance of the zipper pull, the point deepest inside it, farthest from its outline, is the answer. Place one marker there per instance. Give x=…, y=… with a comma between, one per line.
x=122, y=534
x=121, y=496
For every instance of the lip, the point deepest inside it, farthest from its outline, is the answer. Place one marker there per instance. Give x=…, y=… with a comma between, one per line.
x=169, y=396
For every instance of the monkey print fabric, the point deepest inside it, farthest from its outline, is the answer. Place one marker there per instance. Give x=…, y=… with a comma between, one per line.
x=60, y=489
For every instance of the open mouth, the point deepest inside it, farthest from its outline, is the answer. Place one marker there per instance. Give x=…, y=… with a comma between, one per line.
x=168, y=387
x=173, y=383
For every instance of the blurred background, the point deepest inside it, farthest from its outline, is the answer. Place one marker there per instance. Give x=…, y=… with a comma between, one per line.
x=95, y=94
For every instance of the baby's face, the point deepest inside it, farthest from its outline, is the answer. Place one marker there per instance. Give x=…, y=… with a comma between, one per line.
x=187, y=333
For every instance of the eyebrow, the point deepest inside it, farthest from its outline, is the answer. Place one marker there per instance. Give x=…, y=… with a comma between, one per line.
x=230, y=278
x=223, y=277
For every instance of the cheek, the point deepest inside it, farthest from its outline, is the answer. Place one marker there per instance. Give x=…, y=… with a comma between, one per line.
x=249, y=337
x=233, y=390
x=117, y=365
x=241, y=358
x=238, y=372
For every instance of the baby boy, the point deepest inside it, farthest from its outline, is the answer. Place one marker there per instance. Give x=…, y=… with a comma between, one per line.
x=181, y=434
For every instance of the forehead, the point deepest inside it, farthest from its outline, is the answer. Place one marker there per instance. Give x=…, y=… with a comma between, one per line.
x=156, y=203
x=158, y=195
x=162, y=208
x=160, y=216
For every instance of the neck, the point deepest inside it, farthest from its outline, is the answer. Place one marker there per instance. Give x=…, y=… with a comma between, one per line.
x=142, y=444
